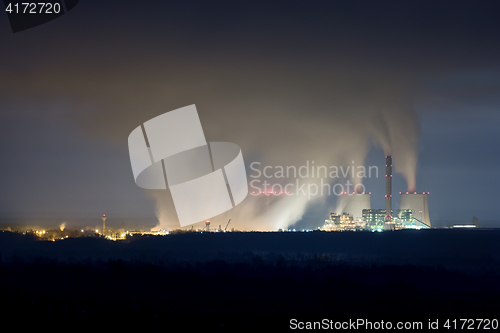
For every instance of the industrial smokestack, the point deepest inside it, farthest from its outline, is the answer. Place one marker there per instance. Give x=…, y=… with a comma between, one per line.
x=388, y=188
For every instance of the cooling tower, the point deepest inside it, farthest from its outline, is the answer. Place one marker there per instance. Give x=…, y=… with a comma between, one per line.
x=355, y=203
x=418, y=203
x=388, y=188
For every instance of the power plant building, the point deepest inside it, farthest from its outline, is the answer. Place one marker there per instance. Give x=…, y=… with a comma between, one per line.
x=405, y=216
x=355, y=204
x=418, y=203
x=343, y=222
x=374, y=218
x=406, y=219
x=355, y=213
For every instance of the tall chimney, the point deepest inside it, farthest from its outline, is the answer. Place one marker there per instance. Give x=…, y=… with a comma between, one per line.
x=103, y=223
x=388, y=188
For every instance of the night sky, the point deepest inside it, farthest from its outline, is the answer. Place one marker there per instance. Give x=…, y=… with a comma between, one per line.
x=288, y=81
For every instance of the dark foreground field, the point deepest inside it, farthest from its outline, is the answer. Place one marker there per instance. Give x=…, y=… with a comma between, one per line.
x=246, y=281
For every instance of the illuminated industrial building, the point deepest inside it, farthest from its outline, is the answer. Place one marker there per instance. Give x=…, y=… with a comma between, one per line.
x=343, y=222
x=475, y=223
x=374, y=218
x=413, y=212
x=405, y=217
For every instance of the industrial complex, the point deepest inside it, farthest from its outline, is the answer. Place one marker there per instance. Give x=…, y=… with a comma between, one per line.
x=357, y=213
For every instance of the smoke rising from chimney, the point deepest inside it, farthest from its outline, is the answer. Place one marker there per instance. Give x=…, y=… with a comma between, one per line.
x=282, y=107
x=278, y=116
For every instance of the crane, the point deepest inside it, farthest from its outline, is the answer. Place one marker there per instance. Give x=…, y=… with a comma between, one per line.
x=227, y=225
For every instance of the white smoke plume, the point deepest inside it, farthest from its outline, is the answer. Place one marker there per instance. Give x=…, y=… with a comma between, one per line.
x=284, y=108
x=278, y=116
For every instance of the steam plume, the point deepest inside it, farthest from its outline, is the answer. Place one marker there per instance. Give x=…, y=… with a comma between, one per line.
x=283, y=107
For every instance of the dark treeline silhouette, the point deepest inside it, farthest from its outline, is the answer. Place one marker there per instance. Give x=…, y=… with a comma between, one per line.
x=244, y=281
